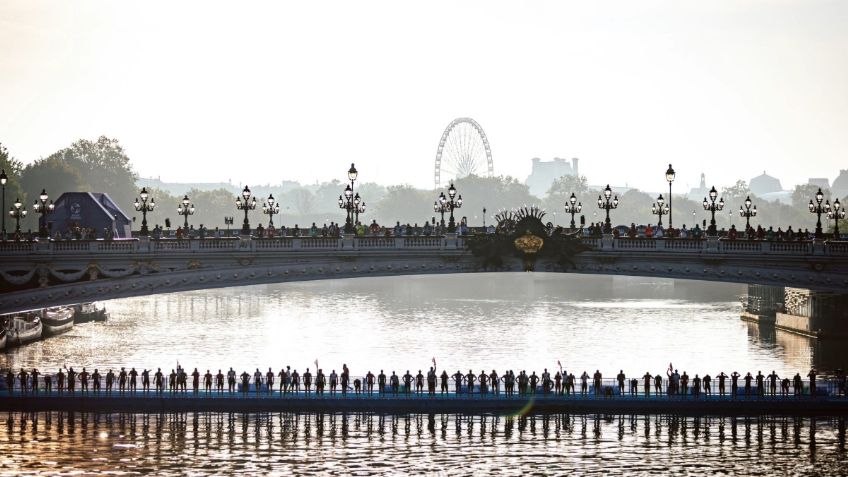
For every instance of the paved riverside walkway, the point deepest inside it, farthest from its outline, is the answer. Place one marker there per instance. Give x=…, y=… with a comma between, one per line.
x=414, y=403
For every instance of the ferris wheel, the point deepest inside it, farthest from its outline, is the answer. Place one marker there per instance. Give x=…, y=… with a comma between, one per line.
x=463, y=150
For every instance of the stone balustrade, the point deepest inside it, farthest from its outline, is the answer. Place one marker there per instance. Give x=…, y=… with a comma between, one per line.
x=640, y=245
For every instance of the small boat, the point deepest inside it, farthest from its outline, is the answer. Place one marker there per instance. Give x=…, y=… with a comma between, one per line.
x=85, y=312
x=22, y=329
x=57, y=320
x=2, y=337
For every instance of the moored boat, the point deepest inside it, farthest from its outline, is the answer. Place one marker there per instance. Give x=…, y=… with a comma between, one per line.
x=85, y=312
x=57, y=320
x=22, y=329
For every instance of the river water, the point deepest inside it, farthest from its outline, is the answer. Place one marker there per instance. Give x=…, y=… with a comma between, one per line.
x=486, y=321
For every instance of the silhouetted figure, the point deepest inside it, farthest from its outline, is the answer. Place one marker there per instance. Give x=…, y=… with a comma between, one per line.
x=812, y=375
x=95, y=381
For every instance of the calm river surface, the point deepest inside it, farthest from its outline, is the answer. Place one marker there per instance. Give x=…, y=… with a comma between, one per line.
x=501, y=321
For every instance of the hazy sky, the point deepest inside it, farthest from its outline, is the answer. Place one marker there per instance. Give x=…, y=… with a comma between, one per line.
x=260, y=92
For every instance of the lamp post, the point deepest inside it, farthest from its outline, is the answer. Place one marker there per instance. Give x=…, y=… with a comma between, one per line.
x=836, y=212
x=42, y=207
x=669, y=176
x=440, y=206
x=573, y=207
x=358, y=208
x=659, y=209
x=347, y=202
x=3, y=179
x=818, y=209
x=747, y=213
x=270, y=208
x=185, y=209
x=607, y=205
x=141, y=204
x=245, y=203
x=452, y=204
x=713, y=207
x=17, y=212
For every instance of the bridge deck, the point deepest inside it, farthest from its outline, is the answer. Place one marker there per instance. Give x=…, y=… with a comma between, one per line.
x=414, y=403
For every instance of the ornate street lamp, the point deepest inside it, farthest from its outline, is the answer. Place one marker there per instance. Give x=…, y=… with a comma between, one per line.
x=144, y=207
x=713, y=207
x=747, y=213
x=42, y=207
x=358, y=207
x=3, y=179
x=351, y=202
x=245, y=203
x=271, y=208
x=669, y=176
x=818, y=209
x=440, y=206
x=17, y=212
x=573, y=207
x=607, y=205
x=836, y=212
x=185, y=209
x=659, y=209
x=453, y=202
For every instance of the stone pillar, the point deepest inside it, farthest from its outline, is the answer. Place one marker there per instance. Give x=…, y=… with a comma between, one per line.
x=712, y=244
x=814, y=313
x=762, y=303
x=450, y=241
x=245, y=242
x=607, y=241
x=144, y=244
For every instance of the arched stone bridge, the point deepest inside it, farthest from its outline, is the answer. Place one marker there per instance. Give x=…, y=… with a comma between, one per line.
x=35, y=275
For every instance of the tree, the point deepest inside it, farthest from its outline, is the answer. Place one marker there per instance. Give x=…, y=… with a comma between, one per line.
x=13, y=169
x=52, y=175
x=327, y=196
x=569, y=184
x=403, y=203
x=493, y=193
x=561, y=190
x=736, y=193
x=303, y=201
x=803, y=193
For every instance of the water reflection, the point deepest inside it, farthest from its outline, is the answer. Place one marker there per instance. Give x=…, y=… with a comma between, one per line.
x=484, y=321
x=201, y=443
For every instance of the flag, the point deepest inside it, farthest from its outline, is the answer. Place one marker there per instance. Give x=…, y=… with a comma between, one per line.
x=670, y=367
x=316, y=364
x=434, y=361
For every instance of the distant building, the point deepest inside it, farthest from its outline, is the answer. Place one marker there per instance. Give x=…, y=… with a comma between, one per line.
x=698, y=193
x=822, y=182
x=89, y=210
x=840, y=185
x=764, y=184
x=544, y=174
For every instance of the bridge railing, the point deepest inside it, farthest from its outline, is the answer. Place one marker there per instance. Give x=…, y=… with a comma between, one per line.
x=623, y=244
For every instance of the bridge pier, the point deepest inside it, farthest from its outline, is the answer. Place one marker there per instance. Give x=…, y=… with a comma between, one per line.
x=762, y=304
x=813, y=313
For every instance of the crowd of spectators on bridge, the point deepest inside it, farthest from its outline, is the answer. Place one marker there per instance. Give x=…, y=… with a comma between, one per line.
x=559, y=383
x=651, y=231
x=433, y=228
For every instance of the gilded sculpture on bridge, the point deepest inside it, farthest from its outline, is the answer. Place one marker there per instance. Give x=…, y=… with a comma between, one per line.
x=521, y=233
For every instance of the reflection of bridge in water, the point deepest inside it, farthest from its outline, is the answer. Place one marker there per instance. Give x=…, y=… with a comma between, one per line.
x=35, y=275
